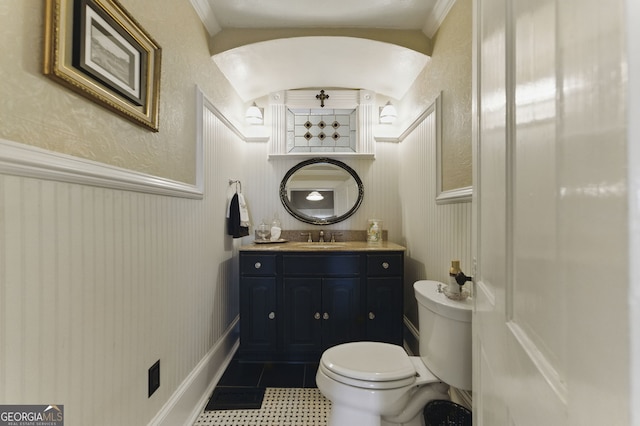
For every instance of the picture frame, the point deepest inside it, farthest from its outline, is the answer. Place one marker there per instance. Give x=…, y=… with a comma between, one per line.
x=97, y=49
x=454, y=195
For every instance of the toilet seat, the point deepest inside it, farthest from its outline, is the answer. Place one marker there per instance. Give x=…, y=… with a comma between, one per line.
x=370, y=365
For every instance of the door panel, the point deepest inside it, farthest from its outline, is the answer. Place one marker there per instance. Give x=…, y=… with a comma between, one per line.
x=340, y=308
x=258, y=316
x=384, y=310
x=302, y=324
x=519, y=323
x=534, y=196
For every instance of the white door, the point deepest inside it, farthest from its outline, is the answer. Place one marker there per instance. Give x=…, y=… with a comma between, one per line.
x=550, y=214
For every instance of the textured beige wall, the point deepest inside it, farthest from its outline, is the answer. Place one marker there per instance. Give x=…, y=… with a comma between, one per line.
x=37, y=111
x=449, y=72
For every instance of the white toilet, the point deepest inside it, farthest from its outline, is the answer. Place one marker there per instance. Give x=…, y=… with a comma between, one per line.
x=378, y=384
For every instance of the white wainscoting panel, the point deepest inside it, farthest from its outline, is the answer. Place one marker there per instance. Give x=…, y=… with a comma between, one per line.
x=434, y=234
x=97, y=284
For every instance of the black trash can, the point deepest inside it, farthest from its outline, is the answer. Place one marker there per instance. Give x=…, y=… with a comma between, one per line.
x=446, y=413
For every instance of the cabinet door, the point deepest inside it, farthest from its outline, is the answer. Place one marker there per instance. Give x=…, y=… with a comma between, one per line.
x=258, y=316
x=340, y=309
x=384, y=310
x=303, y=315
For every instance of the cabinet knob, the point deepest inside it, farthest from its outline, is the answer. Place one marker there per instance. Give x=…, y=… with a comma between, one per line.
x=385, y=265
x=258, y=265
x=372, y=315
x=325, y=316
x=272, y=315
x=317, y=315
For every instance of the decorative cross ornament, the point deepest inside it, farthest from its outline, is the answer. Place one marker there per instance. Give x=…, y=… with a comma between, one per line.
x=322, y=97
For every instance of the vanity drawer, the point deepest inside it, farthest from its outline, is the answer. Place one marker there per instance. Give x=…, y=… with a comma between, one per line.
x=388, y=264
x=321, y=265
x=257, y=264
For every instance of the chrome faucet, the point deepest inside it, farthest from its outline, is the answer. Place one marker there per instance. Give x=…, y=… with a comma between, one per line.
x=333, y=236
x=308, y=234
x=321, y=240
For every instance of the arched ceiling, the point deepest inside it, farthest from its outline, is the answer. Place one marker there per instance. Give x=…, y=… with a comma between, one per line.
x=263, y=46
x=302, y=62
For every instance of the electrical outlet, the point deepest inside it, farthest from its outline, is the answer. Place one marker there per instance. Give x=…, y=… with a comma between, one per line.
x=154, y=378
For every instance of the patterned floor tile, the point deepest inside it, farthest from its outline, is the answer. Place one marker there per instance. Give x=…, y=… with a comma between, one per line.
x=280, y=407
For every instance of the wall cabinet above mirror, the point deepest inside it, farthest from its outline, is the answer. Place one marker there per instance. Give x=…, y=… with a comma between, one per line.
x=308, y=123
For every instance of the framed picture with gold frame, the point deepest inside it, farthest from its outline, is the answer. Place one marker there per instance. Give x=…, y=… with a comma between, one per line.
x=97, y=49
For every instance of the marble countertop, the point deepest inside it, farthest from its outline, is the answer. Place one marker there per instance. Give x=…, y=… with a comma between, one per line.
x=322, y=247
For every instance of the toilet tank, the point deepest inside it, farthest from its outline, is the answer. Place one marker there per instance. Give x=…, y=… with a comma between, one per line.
x=445, y=334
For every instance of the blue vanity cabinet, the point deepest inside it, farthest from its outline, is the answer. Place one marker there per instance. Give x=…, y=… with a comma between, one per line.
x=322, y=312
x=322, y=299
x=384, y=301
x=296, y=304
x=259, y=315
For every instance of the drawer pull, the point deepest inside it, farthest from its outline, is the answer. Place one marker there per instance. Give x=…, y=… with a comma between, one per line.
x=385, y=265
x=272, y=315
x=372, y=315
x=325, y=316
x=258, y=265
x=317, y=315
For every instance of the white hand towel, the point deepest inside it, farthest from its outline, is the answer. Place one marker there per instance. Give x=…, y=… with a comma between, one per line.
x=244, y=212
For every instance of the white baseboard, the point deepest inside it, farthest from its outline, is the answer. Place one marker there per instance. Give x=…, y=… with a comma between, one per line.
x=461, y=397
x=411, y=337
x=187, y=402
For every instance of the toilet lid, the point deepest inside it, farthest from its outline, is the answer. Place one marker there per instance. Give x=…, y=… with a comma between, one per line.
x=369, y=361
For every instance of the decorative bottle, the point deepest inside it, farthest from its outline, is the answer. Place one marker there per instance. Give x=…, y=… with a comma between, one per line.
x=276, y=229
x=374, y=231
x=453, y=288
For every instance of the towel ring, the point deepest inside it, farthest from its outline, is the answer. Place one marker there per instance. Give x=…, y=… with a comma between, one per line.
x=238, y=184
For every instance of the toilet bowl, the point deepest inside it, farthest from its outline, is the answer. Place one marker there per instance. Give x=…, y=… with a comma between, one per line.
x=379, y=384
x=371, y=384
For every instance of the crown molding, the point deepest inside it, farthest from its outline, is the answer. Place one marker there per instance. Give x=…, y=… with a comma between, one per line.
x=208, y=18
x=435, y=19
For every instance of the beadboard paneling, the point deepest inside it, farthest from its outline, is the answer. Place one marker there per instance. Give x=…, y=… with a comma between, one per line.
x=98, y=283
x=434, y=234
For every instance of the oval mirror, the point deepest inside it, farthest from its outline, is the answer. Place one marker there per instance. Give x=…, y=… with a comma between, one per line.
x=321, y=191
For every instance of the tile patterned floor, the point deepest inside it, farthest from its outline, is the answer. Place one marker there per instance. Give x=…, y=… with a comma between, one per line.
x=291, y=396
x=281, y=407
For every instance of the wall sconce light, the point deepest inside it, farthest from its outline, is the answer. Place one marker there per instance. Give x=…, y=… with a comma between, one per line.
x=253, y=114
x=315, y=196
x=388, y=113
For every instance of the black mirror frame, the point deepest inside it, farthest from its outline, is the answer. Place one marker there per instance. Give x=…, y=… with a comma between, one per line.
x=310, y=219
